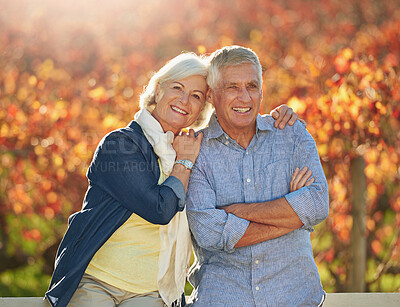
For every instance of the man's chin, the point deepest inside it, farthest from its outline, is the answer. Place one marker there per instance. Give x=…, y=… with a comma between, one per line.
x=244, y=124
x=244, y=119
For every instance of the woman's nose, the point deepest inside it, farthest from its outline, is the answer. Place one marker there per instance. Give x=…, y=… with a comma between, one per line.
x=184, y=98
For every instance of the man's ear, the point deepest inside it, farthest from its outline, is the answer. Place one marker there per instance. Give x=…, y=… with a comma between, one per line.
x=210, y=96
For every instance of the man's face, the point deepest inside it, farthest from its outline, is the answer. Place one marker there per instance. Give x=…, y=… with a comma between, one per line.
x=237, y=98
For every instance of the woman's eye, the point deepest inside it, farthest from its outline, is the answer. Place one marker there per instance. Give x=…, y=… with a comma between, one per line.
x=196, y=96
x=176, y=87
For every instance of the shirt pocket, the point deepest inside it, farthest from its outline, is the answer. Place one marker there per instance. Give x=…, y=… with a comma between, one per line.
x=276, y=179
x=226, y=178
x=229, y=192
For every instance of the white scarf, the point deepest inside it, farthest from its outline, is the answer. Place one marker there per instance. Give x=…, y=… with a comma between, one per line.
x=176, y=244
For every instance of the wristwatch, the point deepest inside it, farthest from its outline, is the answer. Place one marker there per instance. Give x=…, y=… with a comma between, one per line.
x=186, y=163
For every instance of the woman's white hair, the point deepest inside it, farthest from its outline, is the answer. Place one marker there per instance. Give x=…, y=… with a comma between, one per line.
x=231, y=56
x=178, y=68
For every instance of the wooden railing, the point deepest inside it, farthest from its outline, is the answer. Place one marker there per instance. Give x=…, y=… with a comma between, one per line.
x=332, y=300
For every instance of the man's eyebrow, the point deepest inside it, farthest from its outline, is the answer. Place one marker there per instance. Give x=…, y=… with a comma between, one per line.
x=236, y=83
x=230, y=83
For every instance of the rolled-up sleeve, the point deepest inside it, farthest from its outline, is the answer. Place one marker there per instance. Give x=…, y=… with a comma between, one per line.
x=311, y=203
x=212, y=228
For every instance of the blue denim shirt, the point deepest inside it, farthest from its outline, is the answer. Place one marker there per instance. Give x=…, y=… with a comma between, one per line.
x=123, y=179
x=278, y=272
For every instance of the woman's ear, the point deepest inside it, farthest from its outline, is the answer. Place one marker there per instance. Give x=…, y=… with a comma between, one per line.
x=158, y=93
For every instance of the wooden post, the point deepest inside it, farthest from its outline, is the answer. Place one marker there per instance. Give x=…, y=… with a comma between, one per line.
x=358, y=246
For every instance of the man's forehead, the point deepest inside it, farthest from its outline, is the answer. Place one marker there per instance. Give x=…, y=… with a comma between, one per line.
x=245, y=72
x=247, y=65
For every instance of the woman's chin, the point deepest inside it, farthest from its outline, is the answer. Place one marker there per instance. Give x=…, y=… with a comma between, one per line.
x=178, y=126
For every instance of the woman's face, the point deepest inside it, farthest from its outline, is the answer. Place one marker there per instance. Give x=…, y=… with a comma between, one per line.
x=179, y=103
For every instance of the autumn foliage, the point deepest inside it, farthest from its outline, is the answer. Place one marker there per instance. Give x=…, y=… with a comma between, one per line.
x=72, y=71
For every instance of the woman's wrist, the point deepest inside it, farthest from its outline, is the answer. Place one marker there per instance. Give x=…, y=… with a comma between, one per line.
x=181, y=168
x=188, y=164
x=191, y=158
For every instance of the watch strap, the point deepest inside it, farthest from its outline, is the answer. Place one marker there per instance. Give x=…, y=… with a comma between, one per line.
x=186, y=163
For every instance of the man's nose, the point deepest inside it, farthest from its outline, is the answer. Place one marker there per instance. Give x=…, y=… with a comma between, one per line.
x=244, y=94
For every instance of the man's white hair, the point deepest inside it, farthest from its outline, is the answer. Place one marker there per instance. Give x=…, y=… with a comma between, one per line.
x=231, y=56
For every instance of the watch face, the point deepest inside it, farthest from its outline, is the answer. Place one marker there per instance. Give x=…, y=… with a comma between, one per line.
x=188, y=164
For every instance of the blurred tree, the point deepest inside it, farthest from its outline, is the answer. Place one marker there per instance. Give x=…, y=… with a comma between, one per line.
x=72, y=71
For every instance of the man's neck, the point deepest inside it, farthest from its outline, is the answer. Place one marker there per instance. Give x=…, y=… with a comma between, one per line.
x=243, y=136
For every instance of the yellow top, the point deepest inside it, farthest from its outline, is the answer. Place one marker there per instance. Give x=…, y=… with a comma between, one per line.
x=129, y=258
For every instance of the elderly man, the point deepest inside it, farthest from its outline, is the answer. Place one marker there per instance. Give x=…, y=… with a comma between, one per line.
x=251, y=228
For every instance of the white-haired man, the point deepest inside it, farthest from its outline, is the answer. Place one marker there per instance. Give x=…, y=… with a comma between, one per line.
x=250, y=222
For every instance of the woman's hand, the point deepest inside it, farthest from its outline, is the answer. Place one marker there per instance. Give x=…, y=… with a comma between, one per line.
x=300, y=179
x=285, y=115
x=187, y=145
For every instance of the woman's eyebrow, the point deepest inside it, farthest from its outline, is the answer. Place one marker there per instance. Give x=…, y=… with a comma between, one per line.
x=178, y=83
x=199, y=92
x=184, y=86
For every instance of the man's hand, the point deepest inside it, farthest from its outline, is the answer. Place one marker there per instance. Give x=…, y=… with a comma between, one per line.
x=300, y=179
x=233, y=209
x=285, y=115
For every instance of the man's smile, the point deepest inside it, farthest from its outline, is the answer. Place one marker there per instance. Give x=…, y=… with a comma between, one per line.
x=241, y=110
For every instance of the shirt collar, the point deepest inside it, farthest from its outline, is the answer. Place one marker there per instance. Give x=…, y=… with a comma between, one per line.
x=263, y=123
x=214, y=129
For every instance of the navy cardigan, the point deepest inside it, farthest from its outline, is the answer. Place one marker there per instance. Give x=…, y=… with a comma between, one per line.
x=123, y=179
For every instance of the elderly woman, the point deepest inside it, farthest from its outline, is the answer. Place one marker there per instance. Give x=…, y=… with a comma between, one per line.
x=130, y=243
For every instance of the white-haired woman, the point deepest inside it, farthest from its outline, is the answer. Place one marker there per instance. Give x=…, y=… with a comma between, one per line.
x=130, y=244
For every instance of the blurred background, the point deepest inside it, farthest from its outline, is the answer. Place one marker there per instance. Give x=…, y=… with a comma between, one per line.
x=71, y=71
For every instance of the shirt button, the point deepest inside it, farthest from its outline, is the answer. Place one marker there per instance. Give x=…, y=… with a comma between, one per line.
x=247, y=152
x=248, y=180
x=257, y=288
x=226, y=136
x=227, y=142
x=256, y=262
